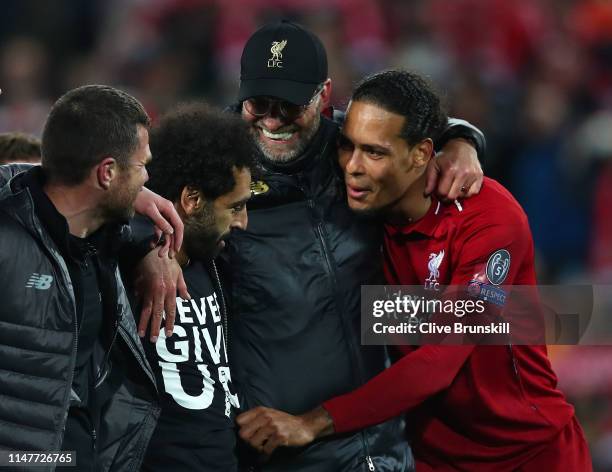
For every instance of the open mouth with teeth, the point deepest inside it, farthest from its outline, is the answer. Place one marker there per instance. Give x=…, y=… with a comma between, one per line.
x=279, y=137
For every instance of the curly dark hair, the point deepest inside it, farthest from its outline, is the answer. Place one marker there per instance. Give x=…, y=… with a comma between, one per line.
x=408, y=95
x=198, y=145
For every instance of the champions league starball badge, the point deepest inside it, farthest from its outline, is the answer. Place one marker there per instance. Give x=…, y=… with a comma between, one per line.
x=498, y=266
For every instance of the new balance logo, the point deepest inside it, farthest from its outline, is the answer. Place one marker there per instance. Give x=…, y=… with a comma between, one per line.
x=39, y=281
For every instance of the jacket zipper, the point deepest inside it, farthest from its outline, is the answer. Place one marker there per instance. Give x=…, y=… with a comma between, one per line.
x=106, y=370
x=320, y=230
x=125, y=335
x=74, y=355
x=118, y=315
x=326, y=251
x=101, y=376
x=94, y=439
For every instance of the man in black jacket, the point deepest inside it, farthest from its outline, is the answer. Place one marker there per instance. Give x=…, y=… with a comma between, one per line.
x=294, y=276
x=73, y=374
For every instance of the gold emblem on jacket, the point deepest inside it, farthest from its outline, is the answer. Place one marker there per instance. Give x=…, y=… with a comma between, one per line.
x=258, y=187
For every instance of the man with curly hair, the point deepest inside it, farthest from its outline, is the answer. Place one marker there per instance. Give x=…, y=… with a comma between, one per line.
x=207, y=175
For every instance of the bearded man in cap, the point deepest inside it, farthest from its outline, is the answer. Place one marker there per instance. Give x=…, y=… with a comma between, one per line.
x=295, y=274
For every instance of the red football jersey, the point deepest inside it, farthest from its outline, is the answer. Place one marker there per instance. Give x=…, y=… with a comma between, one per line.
x=470, y=407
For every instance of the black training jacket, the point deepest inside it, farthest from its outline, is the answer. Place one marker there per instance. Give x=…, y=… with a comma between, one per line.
x=294, y=281
x=38, y=344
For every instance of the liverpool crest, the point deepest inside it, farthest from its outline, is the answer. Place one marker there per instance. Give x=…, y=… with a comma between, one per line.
x=277, y=54
x=435, y=261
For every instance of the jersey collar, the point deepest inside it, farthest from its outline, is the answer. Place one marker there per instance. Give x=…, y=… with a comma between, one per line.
x=426, y=225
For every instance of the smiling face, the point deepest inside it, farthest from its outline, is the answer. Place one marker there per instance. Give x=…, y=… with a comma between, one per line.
x=380, y=167
x=282, y=139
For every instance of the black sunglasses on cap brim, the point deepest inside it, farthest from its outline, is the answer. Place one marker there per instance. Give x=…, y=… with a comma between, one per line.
x=261, y=106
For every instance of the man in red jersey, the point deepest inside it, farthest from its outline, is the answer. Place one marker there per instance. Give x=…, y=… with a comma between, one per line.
x=470, y=408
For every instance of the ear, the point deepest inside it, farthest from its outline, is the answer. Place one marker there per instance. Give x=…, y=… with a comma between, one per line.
x=191, y=200
x=326, y=93
x=422, y=152
x=106, y=172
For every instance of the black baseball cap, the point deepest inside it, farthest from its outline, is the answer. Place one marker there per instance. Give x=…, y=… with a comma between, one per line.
x=282, y=60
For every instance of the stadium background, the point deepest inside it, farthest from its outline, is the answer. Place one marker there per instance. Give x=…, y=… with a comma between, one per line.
x=535, y=75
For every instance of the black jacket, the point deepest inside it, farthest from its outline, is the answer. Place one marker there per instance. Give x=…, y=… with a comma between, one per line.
x=294, y=278
x=38, y=343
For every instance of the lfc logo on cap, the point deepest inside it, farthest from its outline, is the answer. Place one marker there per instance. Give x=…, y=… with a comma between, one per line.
x=277, y=54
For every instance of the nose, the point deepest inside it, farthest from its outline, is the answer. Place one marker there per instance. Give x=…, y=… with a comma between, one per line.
x=241, y=220
x=354, y=163
x=273, y=120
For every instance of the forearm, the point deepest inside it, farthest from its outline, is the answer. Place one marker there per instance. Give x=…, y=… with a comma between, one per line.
x=406, y=384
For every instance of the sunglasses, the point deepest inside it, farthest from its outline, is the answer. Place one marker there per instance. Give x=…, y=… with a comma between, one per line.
x=261, y=106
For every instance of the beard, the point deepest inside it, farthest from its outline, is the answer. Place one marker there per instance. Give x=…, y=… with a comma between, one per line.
x=300, y=146
x=119, y=206
x=202, y=237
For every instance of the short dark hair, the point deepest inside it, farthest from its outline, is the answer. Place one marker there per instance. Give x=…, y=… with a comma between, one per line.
x=19, y=147
x=197, y=145
x=408, y=95
x=86, y=125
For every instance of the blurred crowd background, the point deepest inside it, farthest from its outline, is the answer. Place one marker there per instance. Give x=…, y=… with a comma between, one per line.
x=534, y=75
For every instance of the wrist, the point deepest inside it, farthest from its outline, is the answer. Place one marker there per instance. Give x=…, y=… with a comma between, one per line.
x=318, y=422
